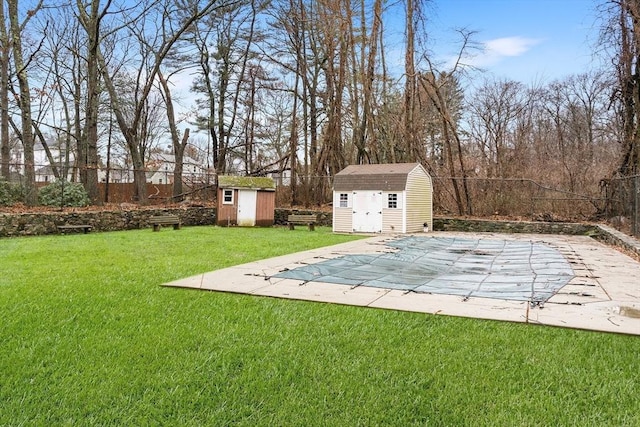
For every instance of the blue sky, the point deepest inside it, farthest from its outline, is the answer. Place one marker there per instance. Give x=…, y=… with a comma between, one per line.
x=525, y=40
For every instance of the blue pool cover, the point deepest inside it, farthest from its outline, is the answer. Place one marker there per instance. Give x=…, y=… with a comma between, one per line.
x=488, y=268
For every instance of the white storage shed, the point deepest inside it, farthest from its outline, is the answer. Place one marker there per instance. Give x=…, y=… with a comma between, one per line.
x=383, y=198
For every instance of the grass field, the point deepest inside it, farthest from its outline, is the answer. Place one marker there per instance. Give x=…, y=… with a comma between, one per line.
x=88, y=337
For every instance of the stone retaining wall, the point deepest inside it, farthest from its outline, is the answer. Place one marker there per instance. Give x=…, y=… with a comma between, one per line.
x=613, y=237
x=489, y=226
x=31, y=224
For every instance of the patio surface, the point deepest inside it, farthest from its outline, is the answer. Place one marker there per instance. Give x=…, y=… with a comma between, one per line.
x=602, y=294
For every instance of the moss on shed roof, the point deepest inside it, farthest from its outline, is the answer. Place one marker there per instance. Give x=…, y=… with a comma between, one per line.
x=255, y=182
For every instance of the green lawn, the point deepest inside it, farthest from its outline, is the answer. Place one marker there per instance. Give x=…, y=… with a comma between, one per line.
x=88, y=337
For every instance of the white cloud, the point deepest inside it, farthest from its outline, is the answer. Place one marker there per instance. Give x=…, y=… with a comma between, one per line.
x=495, y=50
x=509, y=46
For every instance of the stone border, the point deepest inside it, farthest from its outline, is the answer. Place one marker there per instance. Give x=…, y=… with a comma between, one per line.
x=613, y=237
x=495, y=226
x=603, y=233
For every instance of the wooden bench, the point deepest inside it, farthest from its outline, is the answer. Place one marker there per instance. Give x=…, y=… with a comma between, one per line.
x=159, y=220
x=84, y=227
x=309, y=220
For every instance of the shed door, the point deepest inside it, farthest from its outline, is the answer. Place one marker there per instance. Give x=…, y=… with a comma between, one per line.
x=367, y=211
x=247, y=207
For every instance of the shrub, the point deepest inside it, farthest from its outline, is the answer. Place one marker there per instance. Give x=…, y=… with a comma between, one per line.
x=9, y=193
x=63, y=193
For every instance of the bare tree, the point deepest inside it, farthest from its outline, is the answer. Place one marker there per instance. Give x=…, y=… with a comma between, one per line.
x=577, y=106
x=178, y=145
x=153, y=49
x=64, y=45
x=5, y=152
x=413, y=12
x=441, y=88
x=621, y=32
x=291, y=51
x=436, y=88
x=49, y=81
x=332, y=35
x=364, y=134
x=26, y=131
x=225, y=43
x=91, y=16
x=496, y=107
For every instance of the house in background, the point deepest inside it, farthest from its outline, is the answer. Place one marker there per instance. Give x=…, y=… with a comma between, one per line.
x=62, y=160
x=160, y=168
x=385, y=198
x=45, y=173
x=282, y=178
x=117, y=175
x=246, y=201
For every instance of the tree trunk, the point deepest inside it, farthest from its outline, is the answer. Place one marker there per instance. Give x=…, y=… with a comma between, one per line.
x=31, y=192
x=89, y=160
x=365, y=130
x=178, y=146
x=293, y=143
x=178, y=152
x=5, y=148
x=410, y=81
x=211, y=103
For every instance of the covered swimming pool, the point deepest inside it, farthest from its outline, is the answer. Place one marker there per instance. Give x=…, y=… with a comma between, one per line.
x=468, y=267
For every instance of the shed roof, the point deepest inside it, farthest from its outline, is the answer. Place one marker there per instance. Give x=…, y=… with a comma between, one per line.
x=252, y=182
x=383, y=177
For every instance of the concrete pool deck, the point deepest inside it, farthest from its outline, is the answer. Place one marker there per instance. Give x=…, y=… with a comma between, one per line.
x=603, y=296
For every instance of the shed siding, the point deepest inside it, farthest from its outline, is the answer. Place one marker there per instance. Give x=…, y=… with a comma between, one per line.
x=392, y=220
x=227, y=214
x=342, y=220
x=419, y=201
x=265, y=207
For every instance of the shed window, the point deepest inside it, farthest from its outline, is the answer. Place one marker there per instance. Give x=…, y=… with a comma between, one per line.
x=227, y=196
x=344, y=200
x=392, y=201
